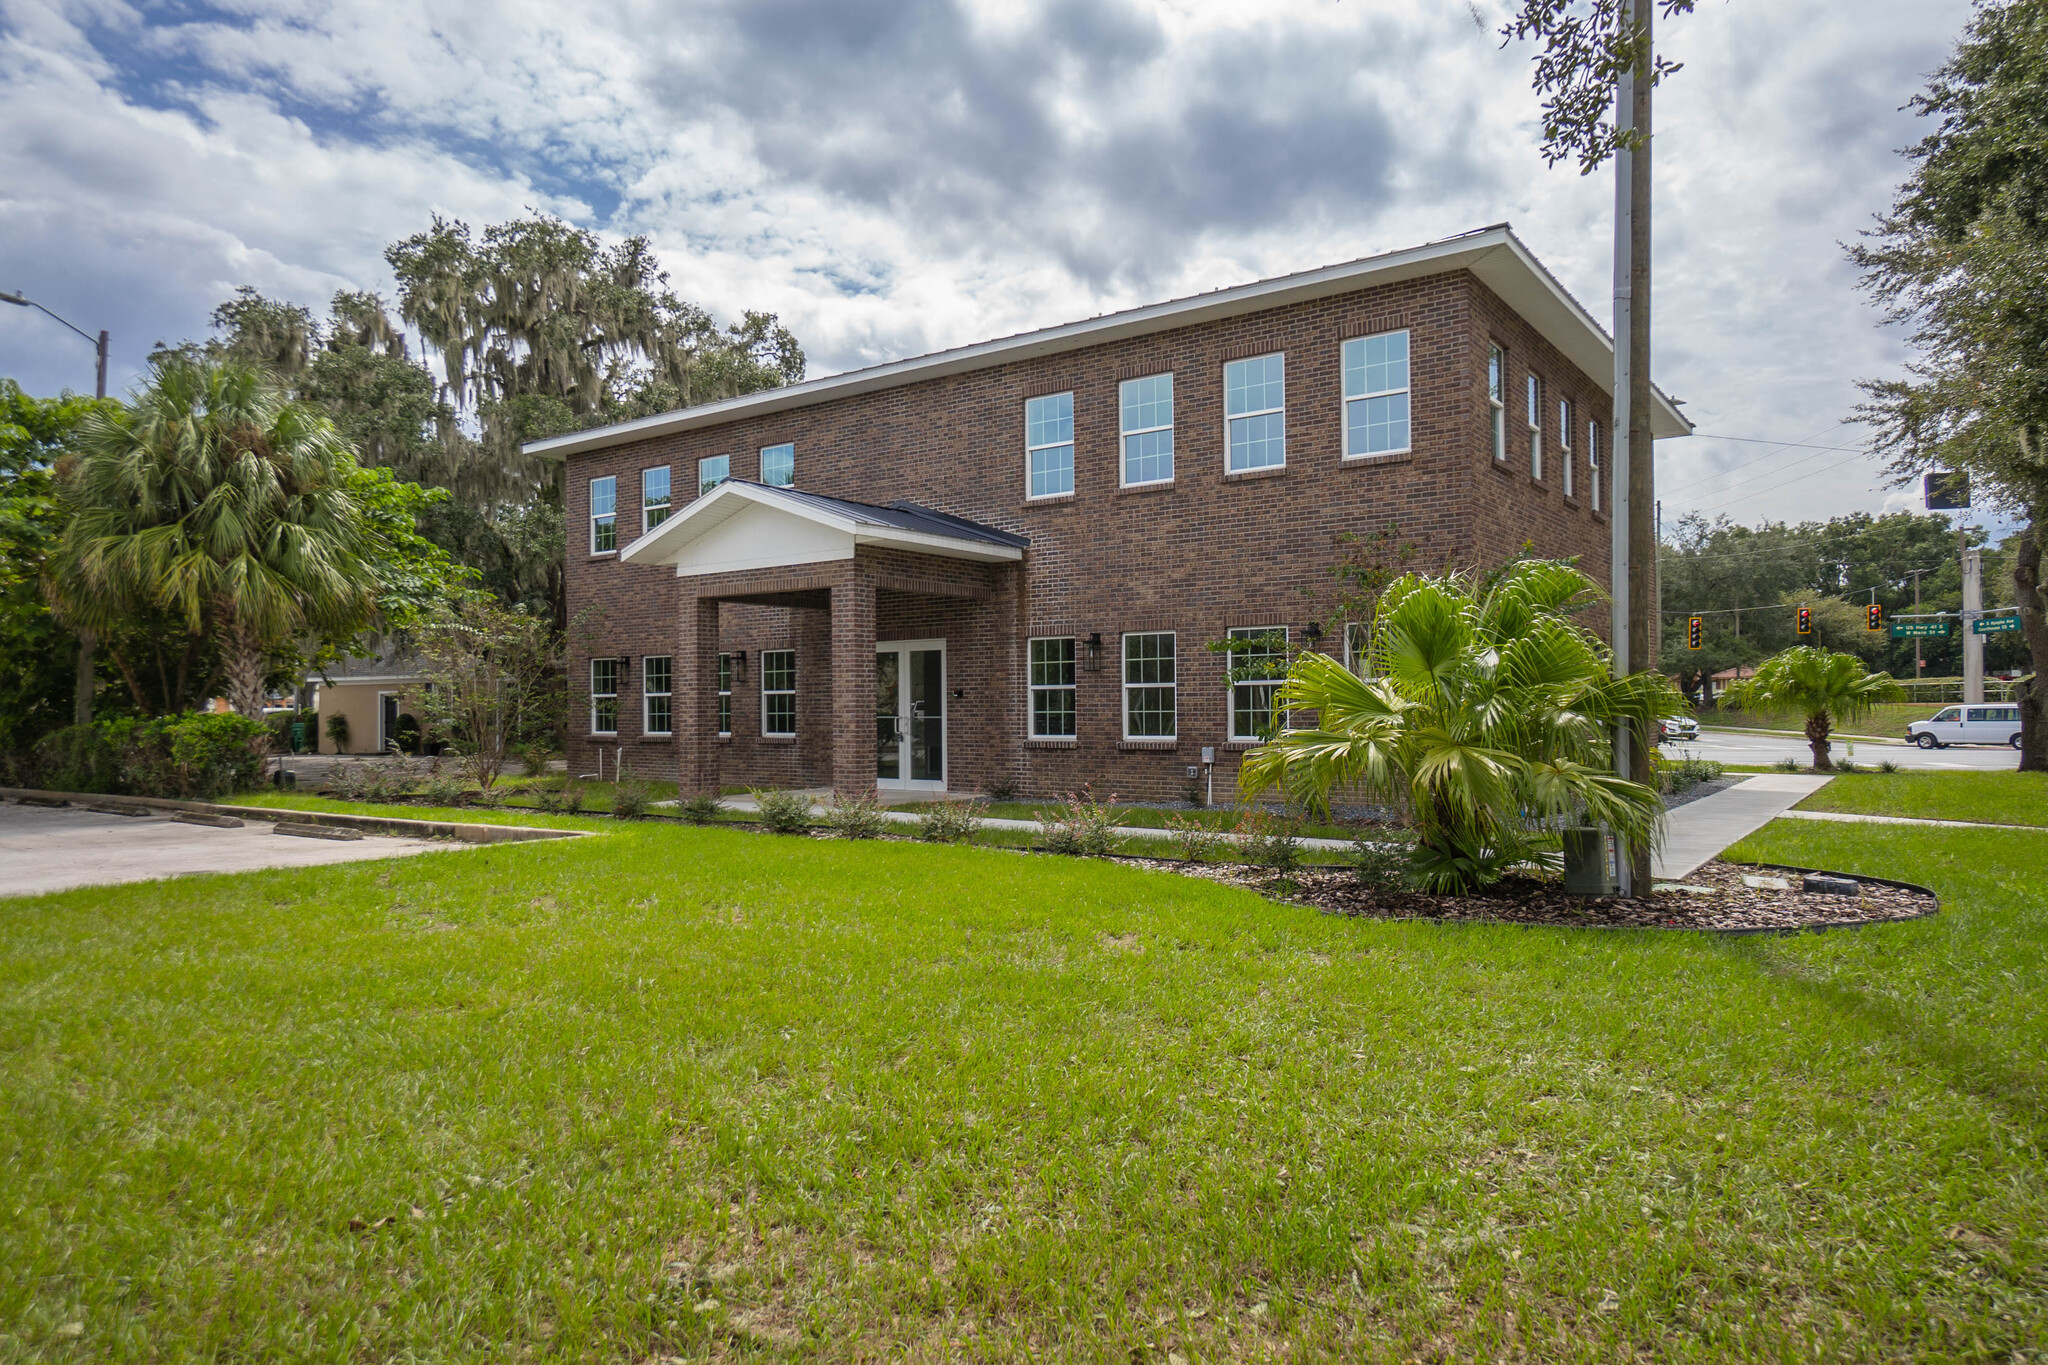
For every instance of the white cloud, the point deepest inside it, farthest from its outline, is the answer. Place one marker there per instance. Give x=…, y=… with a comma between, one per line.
x=897, y=175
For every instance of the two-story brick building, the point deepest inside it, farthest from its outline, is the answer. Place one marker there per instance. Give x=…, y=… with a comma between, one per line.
x=1003, y=567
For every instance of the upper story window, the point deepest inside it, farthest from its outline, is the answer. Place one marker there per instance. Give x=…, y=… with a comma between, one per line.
x=1049, y=444
x=1052, y=688
x=1497, y=399
x=1564, y=444
x=654, y=498
x=1593, y=463
x=604, y=515
x=712, y=471
x=1147, y=408
x=1255, y=411
x=778, y=692
x=604, y=696
x=1535, y=427
x=778, y=465
x=1149, y=687
x=1258, y=654
x=655, y=695
x=1376, y=395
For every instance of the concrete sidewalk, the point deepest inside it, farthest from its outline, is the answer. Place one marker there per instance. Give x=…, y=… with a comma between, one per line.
x=1699, y=830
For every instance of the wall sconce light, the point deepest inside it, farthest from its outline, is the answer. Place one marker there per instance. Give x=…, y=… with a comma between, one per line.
x=1095, y=652
x=1314, y=633
x=739, y=664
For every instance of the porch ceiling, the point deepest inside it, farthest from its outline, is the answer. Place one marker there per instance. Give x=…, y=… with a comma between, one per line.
x=740, y=526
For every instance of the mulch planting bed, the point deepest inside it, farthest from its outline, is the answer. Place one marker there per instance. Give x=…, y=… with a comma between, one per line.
x=1723, y=903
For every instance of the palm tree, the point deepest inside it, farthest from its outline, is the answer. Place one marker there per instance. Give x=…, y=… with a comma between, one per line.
x=1830, y=688
x=1488, y=717
x=214, y=497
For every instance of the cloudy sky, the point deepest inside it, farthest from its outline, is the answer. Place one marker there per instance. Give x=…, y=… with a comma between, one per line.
x=895, y=176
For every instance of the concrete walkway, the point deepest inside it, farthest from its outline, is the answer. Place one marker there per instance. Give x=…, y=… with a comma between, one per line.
x=1699, y=830
x=1903, y=820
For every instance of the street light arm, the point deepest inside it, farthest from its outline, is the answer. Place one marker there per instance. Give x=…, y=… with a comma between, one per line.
x=26, y=302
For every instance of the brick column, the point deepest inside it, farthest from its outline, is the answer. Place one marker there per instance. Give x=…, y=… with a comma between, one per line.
x=694, y=708
x=853, y=683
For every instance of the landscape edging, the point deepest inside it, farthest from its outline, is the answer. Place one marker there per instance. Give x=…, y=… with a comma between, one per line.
x=457, y=830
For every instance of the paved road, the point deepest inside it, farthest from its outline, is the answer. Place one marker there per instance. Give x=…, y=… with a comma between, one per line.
x=44, y=849
x=1728, y=746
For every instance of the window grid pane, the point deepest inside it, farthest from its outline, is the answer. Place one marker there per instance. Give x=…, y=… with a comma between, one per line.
x=1252, y=700
x=1497, y=396
x=1593, y=462
x=725, y=694
x=604, y=508
x=778, y=465
x=1254, y=402
x=1052, y=688
x=1049, y=444
x=654, y=496
x=1147, y=428
x=1376, y=394
x=604, y=696
x=1564, y=442
x=1149, y=711
x=778, y=691
x=712, y=471
x=654, y=691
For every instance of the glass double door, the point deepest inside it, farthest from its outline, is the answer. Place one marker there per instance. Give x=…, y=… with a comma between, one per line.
x=910, y=715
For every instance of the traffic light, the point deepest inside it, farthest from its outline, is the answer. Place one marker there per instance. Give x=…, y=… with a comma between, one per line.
x=1806, y=620
x=1695, y=629
x=1873, y=617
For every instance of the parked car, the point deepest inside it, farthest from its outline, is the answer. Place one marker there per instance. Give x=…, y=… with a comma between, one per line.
x=1673, y=728
x=1967, y=725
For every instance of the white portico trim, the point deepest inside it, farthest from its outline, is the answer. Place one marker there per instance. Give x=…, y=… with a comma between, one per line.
x=741, y=525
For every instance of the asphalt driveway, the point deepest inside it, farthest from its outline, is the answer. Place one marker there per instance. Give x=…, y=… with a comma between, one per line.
x=50, y=849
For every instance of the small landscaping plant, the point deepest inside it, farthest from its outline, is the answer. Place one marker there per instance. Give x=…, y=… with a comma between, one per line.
x=701, y=809
x=1271, y=840
x=1082, y=826
x=1194, y=840
x=785, y=812
x=949, y=822
x=549, y=797
x=1380, y=857
x=1888, y=765
x=630, y=798
x=337, y=731
x=1787, y=765
x=857, y=818
x=444, y=789
x=1675, y=779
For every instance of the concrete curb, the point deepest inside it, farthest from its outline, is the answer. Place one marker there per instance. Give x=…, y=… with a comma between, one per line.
x=1851, y=818
x=455, y=830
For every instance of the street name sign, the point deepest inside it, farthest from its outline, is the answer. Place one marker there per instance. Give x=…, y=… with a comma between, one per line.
x=1908, y=630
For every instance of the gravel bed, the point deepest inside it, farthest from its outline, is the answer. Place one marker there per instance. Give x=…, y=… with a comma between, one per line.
x=1723, y=903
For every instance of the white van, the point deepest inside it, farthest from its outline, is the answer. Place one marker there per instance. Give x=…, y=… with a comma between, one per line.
x=1968, y=725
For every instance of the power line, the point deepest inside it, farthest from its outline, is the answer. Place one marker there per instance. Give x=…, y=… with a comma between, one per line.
x=1757, y=493
x=1759, y=441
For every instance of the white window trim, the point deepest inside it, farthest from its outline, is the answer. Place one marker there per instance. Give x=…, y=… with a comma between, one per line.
x=1073, y=462
x=647, y=696
x=1535, y=387
x=789, y=692
x=1229, y=417
x=1593, y=463
x=1345, y=400
x=1497, y=361
x=612, y=516
x=1230, y=692
x=1564, y=444
x=668, y=507
x=597, y=696
x=723, y=683
x=1032, y=689
x=1124, y=696
x=1124, y=434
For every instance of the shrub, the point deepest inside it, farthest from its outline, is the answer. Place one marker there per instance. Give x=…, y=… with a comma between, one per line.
x=572, y=796
x=445, y=789
x=1083, y=826
x=1195, y=791
x=547, y=797
x=345, y=782
x=1002, y=789
x=1193, y=839
x=1272, y=842
x=1888, y=765
x=535, y=757
x=337, y=731
x=859, y=818
x=785, y=812
x=1848, y=765
x=1787, y=765
x=630, y=798
x=1674, y=779
x=382, y=782
x=1381, y=858
x=701, y=809
x=949, y=823
x=198, y=754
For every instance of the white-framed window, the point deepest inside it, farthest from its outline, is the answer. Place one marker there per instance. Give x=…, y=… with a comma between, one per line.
x=712, y=471
x=604, y=696
x=1255, y=412
x=1564, y=444
x=1376, y=395
x=1535, y=427
x=1049, y=445
x=654, y=498
x=604, y=515
x=1358, y=648
x=1052, y=687
x=778, y=692
x=725, y=695
x=1149, y=687
x=778, y=465
x=655, y=695
x=1147, y=427
x=1255, y=650
x=1593, y=463
x=1497, y=399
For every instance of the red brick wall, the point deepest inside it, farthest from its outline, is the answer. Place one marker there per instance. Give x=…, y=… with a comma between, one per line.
x=1198, y=556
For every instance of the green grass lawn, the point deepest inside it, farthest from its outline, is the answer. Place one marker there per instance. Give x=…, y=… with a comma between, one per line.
x=714, y=1094
x=1223, y=817
x=1995, y=798
x=1887, y=720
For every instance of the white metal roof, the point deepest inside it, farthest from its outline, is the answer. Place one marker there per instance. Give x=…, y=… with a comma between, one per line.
x=1493, y=254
